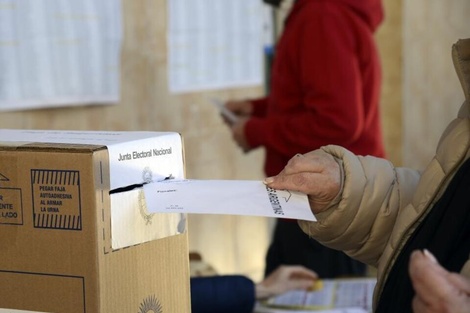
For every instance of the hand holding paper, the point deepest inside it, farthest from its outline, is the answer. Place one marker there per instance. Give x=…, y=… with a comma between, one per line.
x=228, y=115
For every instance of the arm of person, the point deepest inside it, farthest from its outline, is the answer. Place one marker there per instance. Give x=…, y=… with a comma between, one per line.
x=260, y=106
x=285, y=278
x=228, y=293
x=356, y=199
x=237, y=294
x=248, y=108
x=237, y=112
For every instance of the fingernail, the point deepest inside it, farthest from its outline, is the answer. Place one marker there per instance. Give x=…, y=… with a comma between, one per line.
x=268, y=180
x=430, y=256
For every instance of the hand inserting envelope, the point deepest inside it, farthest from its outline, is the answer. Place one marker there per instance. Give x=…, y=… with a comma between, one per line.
x=232, y=197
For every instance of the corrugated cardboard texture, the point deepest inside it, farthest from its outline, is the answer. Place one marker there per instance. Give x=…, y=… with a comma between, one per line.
x=56, y=245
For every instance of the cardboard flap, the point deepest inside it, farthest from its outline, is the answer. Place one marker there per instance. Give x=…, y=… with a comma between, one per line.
x=131, y=223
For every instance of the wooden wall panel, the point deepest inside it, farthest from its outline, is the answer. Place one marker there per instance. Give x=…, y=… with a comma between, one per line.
x=146, y=104
x=420, y=94
x=389, y=41
x=431, y=91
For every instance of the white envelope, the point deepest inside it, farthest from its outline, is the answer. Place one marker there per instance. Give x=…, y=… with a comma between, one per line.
x=233, y=197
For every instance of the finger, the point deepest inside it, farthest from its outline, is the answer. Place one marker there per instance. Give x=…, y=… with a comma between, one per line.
x=241, y=108
x=419, y=306
x=300, y=272
x=232, y=105
x=302, y=182
x=460, y=282
x=314, y=162
x=455, y=302
x=320, y=186
x=429, y=279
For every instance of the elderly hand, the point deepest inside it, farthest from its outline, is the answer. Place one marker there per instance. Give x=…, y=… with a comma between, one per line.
x=316, y=174
x=285, y=278
x=437, y=290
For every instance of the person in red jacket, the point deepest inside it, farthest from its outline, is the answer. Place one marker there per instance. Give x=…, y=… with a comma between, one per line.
x=324, y=89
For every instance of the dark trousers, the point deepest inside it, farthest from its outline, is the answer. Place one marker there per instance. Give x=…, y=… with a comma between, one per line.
x=291, y=246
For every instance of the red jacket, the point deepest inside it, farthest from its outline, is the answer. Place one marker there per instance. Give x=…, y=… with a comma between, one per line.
x=325, y=83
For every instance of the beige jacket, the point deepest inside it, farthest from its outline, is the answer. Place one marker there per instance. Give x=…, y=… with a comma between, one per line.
x=381, y=205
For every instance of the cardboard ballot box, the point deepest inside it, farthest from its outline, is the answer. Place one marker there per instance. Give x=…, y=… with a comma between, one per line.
x=68, y=244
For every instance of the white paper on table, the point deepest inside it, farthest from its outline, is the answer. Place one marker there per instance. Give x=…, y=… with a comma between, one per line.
x=350, y=293
x=232, y=197
x=259, y=308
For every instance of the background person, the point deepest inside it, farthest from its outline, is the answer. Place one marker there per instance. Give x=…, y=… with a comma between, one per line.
x=238, y=294
x=324, y=89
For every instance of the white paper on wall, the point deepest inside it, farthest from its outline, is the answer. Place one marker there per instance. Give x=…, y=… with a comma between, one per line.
x=215, y=44
x=57, y=52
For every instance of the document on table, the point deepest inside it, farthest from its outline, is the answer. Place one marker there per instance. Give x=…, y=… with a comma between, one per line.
x=232, y=197
x=262, y=309
x=334, y=294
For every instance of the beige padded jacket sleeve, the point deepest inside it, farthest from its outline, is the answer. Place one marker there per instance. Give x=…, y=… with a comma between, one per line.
x=373, y=193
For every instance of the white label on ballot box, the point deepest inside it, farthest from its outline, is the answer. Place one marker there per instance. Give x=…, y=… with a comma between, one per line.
x=134, y=157
x=232, y=197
